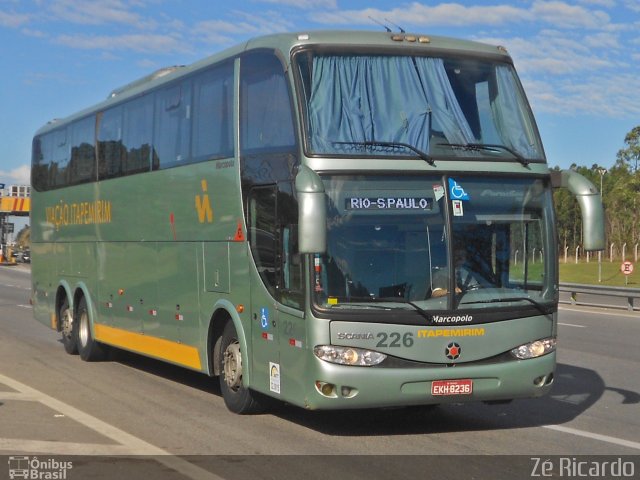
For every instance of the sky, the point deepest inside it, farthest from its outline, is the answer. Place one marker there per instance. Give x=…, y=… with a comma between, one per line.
x=579, y=60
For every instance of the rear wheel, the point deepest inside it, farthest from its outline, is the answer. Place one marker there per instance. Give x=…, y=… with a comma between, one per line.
x=90, y=350
x=237, y=398
x=67, y=327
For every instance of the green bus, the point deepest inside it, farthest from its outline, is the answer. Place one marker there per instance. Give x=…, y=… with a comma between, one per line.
x=293, y=215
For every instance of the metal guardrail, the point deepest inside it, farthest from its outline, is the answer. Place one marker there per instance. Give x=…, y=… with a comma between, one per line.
x=575, y=289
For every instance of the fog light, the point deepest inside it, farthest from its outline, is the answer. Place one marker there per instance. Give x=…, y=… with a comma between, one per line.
x=326, y=389
x=348, y=392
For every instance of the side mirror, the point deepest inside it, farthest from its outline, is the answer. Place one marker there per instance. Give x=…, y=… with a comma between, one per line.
x=312, y=212
x=590, y=203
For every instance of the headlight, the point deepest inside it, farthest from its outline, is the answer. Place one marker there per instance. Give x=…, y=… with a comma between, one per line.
x=348, y=355
x=534, y=349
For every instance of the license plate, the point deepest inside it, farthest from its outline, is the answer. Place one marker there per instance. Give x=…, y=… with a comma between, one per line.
x=452, y=387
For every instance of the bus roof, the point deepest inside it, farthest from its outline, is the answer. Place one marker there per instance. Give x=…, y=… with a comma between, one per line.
x=286, y=43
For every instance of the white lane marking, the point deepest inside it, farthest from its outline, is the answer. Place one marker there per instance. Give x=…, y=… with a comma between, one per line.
x=19, y=287
x=24, y=306
x=571, y=325
x=610, y=312
x=127, y=443
x=595, y=436
x=61, y=448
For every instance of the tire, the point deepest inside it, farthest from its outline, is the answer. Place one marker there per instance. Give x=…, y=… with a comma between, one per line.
x=68, y=328
x=89, y=349
x=237, y=397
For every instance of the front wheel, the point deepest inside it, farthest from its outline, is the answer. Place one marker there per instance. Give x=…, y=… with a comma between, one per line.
x=90, y=350
x=237, y=397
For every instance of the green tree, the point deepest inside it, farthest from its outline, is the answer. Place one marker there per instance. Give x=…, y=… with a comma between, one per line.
x=620, y=196
x=23, y=238
x=631, y=154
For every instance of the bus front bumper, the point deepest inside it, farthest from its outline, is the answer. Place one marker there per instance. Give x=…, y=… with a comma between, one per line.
x=346, y=387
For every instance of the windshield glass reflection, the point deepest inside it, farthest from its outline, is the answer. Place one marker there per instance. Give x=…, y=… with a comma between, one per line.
x=388, y=245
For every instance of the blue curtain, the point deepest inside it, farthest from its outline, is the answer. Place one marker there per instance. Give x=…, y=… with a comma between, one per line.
x=402, y=99
x=508, y=115
x=448, y=116
x=360, y=98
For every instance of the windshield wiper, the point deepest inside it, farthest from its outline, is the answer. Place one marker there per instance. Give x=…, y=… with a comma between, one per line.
x=393, y=300
x=424, y=156
x=538, y=305
x=487, y=146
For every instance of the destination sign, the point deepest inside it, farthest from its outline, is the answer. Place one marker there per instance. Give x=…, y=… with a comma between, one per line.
x=388, y=203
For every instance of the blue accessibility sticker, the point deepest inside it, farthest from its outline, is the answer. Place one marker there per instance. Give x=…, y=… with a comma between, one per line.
x=264, y=317
x=456, y=191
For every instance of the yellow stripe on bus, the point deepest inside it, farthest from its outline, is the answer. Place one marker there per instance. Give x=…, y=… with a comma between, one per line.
x=152, y=346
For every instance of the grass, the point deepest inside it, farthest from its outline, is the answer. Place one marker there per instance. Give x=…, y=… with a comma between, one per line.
x=587, y=273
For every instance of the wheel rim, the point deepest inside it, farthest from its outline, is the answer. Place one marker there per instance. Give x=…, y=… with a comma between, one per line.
x=83, y=331
x=232, y=363
x=67, y=322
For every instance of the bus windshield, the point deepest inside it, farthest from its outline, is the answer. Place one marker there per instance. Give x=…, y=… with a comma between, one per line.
x=389, y=245
x=384, y=105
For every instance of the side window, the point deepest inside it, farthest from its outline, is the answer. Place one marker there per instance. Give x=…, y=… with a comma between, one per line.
x=213, y=114
x=82, y=167
x=60, y=159
x=110, y=148
x=41, y=162
x=136, y=138
x=266, y=122
x=263, y=232
x=273, y=237
x=292, y=278
x=173, y=124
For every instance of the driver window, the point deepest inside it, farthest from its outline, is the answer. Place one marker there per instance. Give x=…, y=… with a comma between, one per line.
x=273, y=237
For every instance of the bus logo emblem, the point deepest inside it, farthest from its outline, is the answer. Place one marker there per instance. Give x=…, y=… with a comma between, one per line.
x=453, y=351
x=203, y=205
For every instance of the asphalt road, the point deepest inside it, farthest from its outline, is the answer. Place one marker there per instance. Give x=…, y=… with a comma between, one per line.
x=146, y=419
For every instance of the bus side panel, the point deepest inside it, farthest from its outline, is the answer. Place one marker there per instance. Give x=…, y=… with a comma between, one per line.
x=294, y=356
x=178, y=315
x=62, y=259
x=44, y=281
x=126, y=292
x=82, y=262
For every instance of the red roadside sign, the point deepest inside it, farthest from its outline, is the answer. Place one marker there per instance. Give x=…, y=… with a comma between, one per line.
x=626, y=268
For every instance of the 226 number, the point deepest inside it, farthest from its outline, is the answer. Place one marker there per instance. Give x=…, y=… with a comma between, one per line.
x=394, y=339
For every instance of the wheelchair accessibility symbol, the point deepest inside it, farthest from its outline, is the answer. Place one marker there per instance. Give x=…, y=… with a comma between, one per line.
x=456, y=191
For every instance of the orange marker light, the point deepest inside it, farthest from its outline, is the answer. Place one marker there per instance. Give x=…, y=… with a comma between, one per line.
x=240, y=308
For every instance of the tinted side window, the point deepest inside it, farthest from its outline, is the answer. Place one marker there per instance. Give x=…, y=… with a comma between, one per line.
x=266, y=123
x=110, y=149
x=213, y=113
x=82, y=167
x=262, y=233
x=137, y=136
x=173, y=126
x=273, y=237
x=60, y=159
x=40, y=162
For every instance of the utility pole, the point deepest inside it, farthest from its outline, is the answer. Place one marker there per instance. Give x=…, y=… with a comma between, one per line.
x=601, y=171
